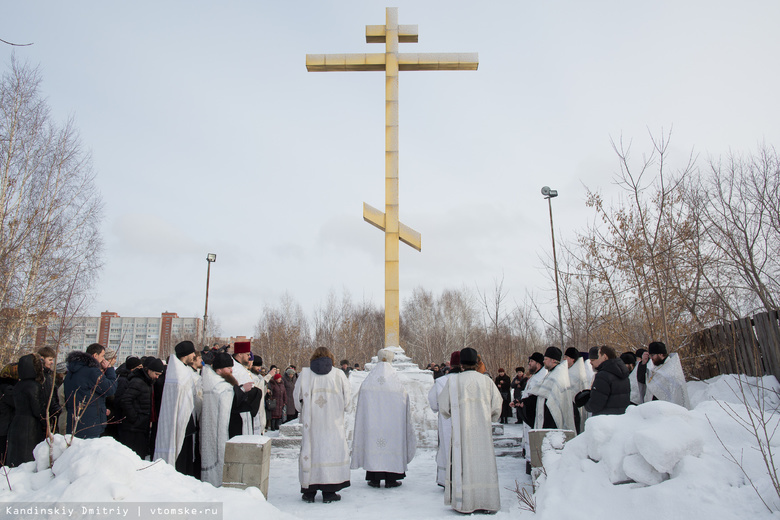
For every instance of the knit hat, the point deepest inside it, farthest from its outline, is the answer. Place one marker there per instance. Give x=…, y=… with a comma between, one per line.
x=290, y=372
x=185, y=348
x=62, y=367
x=553, y=353
x=593, y=353
x=132, y=362
x=222, y=360
x=656, y=347
x=154, y=364
x=241, y=347
x=573, y=353
x=468, y=356
x=455, y=358
x=537, y=356
x=277, y=377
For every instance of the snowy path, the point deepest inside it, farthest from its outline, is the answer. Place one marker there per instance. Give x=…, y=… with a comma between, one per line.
x=418, y=497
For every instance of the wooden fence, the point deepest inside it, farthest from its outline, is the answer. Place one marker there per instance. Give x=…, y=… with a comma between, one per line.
x=746, y=346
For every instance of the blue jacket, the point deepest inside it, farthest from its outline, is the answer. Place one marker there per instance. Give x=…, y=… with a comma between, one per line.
x=84, y=375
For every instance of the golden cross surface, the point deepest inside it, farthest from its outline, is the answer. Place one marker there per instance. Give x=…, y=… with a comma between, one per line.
x=391, y=34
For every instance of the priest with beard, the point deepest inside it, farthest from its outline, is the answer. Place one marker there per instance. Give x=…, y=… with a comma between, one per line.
x=384, y=441
x=182, y=400
x=473, y=402
x=554, y=402
x=224, y=400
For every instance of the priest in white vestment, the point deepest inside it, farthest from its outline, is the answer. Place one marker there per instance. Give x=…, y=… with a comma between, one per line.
x=473, y=402
x=554, y=399
x=578, y=378
x=322, y=395
x=665, y=378
x=444, y=423
x=528, y=403
x=223, y=402
x=384, y=441
x=177, y=426
x=242, y=351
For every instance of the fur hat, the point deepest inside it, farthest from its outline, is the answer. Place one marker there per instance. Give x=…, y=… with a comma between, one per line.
x=537, y=356
x=656, y=347
x=468, y=356
x=241, y=347
x=573, y=353
x=629, y=358
x=185, y=348
x=553, y=353
x=222, y=360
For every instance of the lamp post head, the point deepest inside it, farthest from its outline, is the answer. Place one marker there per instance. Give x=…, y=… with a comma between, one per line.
x=211, y=257
x=548, y=193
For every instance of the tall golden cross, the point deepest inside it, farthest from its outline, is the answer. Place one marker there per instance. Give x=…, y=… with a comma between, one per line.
x=391, y=34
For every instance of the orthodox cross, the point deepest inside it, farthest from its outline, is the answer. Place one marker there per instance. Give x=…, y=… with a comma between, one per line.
x=391, y=34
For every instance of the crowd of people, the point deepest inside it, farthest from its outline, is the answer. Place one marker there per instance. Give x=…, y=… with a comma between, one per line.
x=185, y=410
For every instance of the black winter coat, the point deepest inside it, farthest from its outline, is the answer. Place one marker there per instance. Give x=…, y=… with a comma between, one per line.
x=610, y=393
x=84, y=375
x=136, y=404
x=28, y=425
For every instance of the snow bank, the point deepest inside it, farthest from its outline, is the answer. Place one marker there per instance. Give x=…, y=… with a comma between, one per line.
x=103, y=470
x=729, y=388
x=660, y=460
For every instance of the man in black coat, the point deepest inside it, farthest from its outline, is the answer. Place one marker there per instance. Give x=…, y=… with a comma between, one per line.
x=137, y=406
x=610, y=393
x=90, y=379
x=27, y=427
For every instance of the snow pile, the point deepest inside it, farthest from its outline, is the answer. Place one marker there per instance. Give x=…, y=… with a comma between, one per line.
x=730, y=388
x=103, y=470
x=659, y=460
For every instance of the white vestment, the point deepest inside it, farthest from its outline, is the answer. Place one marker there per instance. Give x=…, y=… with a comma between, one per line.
x=578, y=377
x=473, y=401
x=533, y=381
x=215, y=419
x=384, y=438
x=445, y=428
x=666, y=382
x=324, y=457
x=636, y=396
x=243, y=376
x=258, y=421
x=182, y=397
x=555, y=393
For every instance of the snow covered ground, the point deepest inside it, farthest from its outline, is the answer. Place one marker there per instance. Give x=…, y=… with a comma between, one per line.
x=656, y=461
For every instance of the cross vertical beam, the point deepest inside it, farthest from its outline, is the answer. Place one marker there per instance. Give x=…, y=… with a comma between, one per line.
x=391, y=62
x=392, y=290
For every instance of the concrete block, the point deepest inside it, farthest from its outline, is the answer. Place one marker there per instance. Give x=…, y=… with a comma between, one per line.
x=535, y=439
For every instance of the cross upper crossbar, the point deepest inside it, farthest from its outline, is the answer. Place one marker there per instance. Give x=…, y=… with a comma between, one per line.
x=406, y=61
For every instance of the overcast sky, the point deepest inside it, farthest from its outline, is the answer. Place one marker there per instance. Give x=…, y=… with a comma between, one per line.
x=209, y=135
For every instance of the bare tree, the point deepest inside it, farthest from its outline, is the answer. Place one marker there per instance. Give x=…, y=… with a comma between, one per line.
x=49, y=210
x=738, y=203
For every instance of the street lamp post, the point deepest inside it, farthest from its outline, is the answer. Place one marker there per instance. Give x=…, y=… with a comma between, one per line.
x=211, y=257
x=549, y=194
